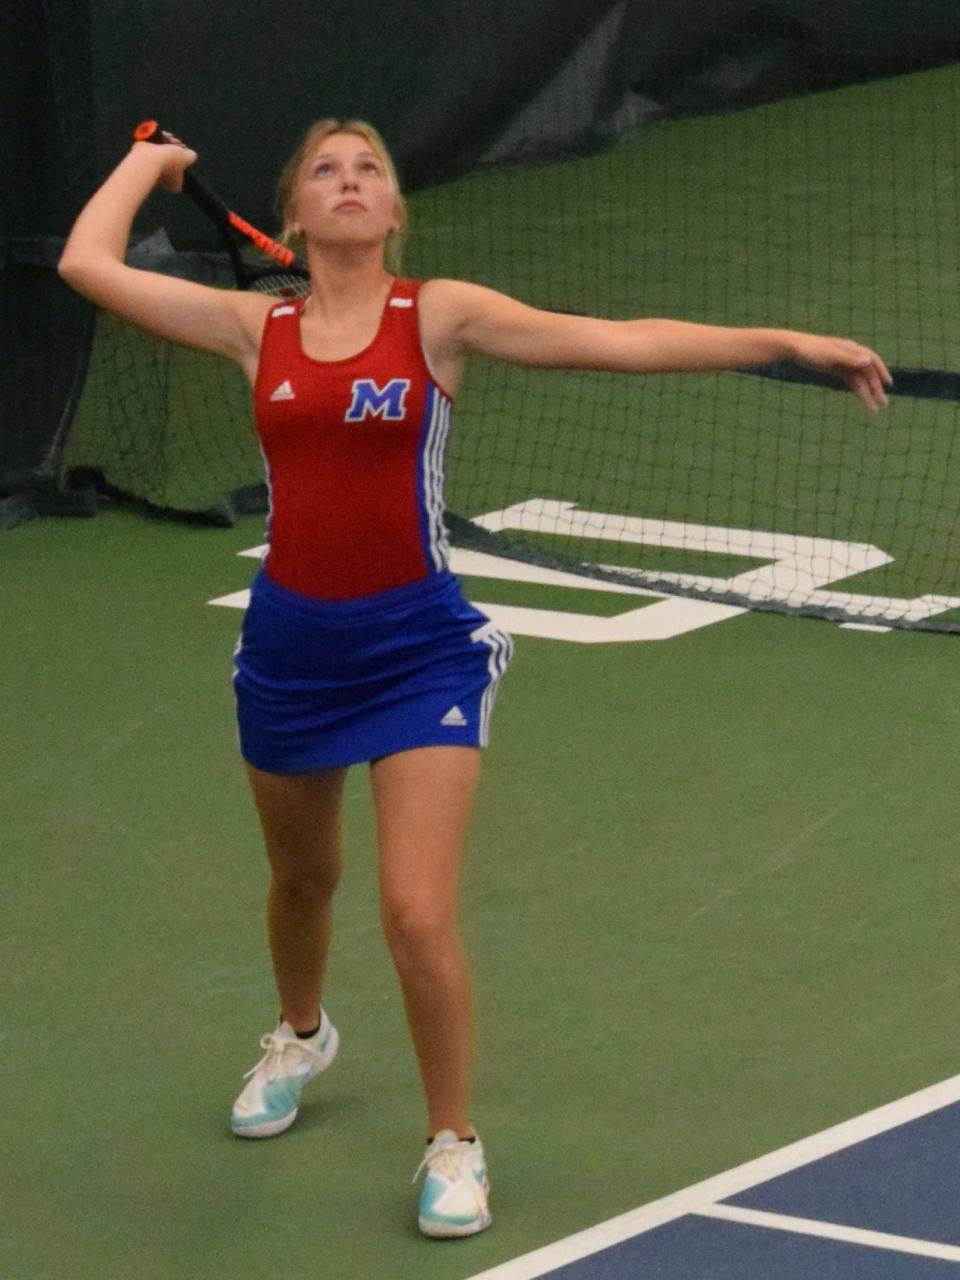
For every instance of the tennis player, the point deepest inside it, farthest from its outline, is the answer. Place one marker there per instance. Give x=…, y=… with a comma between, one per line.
x=357, y=645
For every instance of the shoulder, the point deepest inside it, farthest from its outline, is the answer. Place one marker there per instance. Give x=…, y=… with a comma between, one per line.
x=453, y=296
x=450, y=308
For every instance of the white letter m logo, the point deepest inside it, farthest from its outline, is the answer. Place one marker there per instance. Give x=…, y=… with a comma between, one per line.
x=370, y=401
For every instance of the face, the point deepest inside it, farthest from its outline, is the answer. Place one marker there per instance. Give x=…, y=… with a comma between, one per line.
x=343, y=194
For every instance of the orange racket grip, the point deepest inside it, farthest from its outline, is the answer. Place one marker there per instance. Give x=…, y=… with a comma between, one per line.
x=147, y=131
x=280, y=253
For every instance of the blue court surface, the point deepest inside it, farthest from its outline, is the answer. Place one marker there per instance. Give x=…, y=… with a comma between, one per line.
x=874, y=1198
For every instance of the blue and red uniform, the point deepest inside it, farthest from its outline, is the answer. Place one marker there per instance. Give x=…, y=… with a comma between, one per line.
x=354, y=451
x=357, y=642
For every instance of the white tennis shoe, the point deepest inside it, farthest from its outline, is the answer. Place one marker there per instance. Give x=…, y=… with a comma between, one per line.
x=453, y=1201
x=269, y=1103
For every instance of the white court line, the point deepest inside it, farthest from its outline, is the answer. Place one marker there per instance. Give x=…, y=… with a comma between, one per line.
x=830, y=1231
x=702, y=1195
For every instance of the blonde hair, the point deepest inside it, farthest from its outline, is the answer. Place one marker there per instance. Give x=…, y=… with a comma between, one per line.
x=290, y=177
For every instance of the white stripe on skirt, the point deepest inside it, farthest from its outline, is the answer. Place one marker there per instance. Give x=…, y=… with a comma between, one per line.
x=498, y=659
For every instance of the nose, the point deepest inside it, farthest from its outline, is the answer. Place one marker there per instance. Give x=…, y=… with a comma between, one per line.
x=349, y=181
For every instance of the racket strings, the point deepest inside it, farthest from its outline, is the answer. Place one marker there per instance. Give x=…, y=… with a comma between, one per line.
x=279, y=284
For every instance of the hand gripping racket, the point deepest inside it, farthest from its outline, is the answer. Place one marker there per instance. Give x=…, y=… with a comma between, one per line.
x=288, y=276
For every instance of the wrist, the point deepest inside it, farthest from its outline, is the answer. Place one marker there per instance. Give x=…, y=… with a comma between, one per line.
x=788, y=343
x=146, y=156
x=138, y=174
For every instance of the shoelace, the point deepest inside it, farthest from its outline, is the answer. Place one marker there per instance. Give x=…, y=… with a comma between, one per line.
x=272, y=1060
x=447, y=1161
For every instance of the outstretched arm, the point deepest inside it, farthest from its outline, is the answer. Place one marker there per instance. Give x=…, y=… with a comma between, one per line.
x=223, y=321
x=482, y=320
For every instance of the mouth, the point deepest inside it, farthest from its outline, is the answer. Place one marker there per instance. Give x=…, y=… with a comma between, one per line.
x=349, y=204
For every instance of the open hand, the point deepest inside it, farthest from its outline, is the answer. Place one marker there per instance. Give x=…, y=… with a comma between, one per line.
x=862, y=369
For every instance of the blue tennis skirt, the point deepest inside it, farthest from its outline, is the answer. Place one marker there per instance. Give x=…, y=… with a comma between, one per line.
x=322, y=684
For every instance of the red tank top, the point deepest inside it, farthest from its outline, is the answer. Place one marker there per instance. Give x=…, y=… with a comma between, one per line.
x=354, y=451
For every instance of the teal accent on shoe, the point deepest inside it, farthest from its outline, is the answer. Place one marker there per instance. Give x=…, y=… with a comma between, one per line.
x=280, y=1097
x=433, y=1189
x=268, y=1105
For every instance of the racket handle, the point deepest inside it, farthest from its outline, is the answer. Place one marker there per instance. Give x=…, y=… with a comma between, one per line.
x=150, y=131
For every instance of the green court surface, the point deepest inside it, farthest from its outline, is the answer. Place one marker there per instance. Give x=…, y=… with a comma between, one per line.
x=710, y=904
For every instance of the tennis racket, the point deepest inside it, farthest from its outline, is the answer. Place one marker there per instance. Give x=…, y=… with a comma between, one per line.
x=287, y=276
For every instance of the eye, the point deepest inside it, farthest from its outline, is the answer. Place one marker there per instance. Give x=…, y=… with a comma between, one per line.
x=371, y=166
x=321, y=168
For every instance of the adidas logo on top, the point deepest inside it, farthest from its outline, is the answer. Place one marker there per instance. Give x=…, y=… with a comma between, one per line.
x=283, y=392
x=454, y=718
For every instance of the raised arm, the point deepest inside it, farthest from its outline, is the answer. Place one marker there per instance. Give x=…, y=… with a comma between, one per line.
x=223, y=321
x=472, y=318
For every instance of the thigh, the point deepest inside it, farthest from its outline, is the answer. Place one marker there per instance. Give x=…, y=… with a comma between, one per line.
x=300, y=817
x=424, y=799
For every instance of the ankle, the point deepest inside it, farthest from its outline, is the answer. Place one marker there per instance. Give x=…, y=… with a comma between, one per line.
x=464, y=1132
x=304, y=1028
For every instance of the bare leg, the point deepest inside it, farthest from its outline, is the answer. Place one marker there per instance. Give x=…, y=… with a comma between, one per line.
x=300, y=817
x=423, y=800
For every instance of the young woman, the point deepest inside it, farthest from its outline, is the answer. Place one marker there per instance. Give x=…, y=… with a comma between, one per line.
x=357, y=646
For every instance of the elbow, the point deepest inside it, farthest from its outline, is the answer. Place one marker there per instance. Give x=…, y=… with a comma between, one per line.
x=68, y=264
x=84, y=276
x=70, y=270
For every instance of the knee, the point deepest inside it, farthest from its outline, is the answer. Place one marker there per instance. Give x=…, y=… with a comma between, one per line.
x=417, y=930
x=313, y=882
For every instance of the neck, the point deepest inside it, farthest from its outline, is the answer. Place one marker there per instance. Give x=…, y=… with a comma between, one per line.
x=345, y=277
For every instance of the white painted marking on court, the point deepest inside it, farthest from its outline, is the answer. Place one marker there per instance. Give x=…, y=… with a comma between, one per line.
x=801, y=565
x=670, y=616
x=830, y=1231
x=235, y=600
x=480, y=564
x=862, y=626
x=721, y=1186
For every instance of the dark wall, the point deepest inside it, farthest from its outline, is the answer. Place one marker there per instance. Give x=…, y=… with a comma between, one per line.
x=447, y=81
x=693, y=57
x=41, y=323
